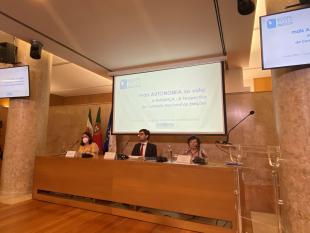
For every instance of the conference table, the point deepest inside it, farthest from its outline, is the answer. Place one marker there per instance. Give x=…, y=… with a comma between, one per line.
x=193, y=197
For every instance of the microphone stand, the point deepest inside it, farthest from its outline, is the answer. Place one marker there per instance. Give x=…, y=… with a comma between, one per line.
x=122, y=156
x=227, y=137
x=64, y=151
x=77, y=141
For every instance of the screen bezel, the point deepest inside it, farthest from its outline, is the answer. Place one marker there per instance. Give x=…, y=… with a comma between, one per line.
x=261, y=41
x=175, y=133
x=21, y=96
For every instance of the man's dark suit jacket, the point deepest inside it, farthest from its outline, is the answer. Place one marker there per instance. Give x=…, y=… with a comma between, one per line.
x=151, y=150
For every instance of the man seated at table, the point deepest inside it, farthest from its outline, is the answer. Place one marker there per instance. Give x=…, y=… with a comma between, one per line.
x=144, y=148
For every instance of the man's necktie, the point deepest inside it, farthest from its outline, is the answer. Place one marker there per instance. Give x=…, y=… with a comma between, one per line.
x=141, y=150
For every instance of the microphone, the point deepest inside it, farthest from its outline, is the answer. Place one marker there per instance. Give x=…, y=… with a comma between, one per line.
x=199, y=160
x=227, y=137
x=122, y=156
x=75, y=142
x=161, y=159
x=122, y=150
x=64, y=149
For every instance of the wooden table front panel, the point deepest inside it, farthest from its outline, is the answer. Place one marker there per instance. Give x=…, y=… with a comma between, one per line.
x=197, y=190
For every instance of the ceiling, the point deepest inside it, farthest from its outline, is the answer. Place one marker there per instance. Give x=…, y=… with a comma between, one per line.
x=112, y=35
x=69, y=79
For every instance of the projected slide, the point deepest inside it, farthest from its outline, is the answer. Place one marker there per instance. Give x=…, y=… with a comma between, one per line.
x=175, y=101
x=14, y=82
x=286, y=39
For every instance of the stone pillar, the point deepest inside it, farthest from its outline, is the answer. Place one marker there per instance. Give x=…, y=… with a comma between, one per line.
x=291, y=95
x=292, y=107
x=26, y=125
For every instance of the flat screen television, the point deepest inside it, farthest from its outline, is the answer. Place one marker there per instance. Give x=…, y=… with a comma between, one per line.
x=285, y=39
x=14, y=82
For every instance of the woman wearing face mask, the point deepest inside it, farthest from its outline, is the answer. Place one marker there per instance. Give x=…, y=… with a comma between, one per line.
x=87, y=145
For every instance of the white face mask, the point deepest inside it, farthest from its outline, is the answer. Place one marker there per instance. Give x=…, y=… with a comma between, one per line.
x=85, y=140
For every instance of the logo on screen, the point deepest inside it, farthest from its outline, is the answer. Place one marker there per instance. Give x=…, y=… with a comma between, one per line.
x=124, y=84
x=271, y=23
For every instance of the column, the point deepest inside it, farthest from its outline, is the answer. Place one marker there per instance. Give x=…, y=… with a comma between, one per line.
x=292, y=109
x=291, y=95
x=26, y=125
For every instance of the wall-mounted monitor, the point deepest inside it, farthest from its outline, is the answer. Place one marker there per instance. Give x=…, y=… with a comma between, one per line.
x=285, y=39
x=14, y=82
x=185, y=100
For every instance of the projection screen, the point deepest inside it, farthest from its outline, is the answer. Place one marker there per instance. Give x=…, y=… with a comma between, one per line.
x=187, y=100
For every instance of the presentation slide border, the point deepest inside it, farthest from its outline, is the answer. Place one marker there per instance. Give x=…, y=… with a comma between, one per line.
x=261, y=42
x=13, y=97
x=177, y=133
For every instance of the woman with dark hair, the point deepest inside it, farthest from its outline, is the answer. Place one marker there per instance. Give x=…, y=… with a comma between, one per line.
x=194, y=149
x=87, y=146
